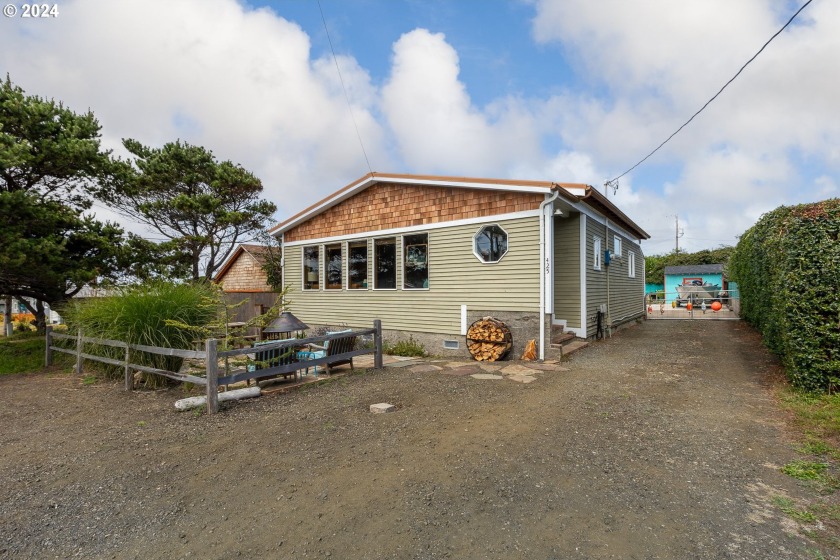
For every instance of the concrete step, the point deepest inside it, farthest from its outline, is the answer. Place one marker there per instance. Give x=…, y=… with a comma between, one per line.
x=570, y=347
x=574, y=346
x=561, y=337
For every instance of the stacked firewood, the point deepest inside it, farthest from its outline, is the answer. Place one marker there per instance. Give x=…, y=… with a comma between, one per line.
x=488, y=340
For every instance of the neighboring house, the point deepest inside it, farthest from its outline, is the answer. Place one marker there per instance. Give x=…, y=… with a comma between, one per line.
x=684, y=275
x=18, y=308
x=429, y=255
x=245, y=282
x=652, y=288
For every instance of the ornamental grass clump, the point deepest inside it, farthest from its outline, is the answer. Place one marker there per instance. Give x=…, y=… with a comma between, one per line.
x=159, y=313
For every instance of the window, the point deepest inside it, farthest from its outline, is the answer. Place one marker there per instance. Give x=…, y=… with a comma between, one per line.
x=631, y=264
x=596, y=253
x=490, y=244
x=385, y=264
x=357, y=265
x=333, y=267
x=617, y=247
x=311, y=267
x=416, y=265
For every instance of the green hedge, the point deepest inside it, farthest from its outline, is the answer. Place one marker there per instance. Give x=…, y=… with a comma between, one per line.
x=788, y=270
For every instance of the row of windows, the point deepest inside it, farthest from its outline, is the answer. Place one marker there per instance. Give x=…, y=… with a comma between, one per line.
x=415, y=264
x=490, y=244
x=597, y=255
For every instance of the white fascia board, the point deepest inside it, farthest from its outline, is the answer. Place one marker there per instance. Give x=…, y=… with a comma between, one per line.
x=464, y=184
x=423, y=227
x=601, y=219
x=368, y=181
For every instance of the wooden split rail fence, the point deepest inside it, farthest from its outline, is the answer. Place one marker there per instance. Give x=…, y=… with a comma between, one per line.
x=211, y=355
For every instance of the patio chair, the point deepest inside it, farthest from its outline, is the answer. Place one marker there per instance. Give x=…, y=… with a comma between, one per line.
x=272, y=358
x=335, y=347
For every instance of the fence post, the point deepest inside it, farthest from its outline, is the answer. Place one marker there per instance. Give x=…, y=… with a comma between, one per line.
x=377, y=342
x=212, y=376
x=79, y=338
x=48, y=350
x=129, y=381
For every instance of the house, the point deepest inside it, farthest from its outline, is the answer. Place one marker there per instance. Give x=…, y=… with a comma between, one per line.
x=429, y=255
x=245, y=283
x=692, y=274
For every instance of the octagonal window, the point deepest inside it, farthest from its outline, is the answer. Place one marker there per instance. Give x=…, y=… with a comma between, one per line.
x=490, y=244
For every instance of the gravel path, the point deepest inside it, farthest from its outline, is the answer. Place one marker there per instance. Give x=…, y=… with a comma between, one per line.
x=662, y=442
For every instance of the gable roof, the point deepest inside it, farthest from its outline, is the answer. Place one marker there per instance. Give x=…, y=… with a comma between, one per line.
x=695, y=269
x=573, y=192
x=258, y=252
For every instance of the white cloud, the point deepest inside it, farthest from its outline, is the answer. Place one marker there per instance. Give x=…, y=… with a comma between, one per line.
x=245, y=83
x=660, y=61
x=238, y=81
x=435, y=124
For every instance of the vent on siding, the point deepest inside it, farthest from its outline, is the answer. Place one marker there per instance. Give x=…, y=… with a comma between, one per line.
x=451, y=344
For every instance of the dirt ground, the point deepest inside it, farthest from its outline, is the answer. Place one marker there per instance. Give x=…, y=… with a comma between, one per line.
x=661, y=442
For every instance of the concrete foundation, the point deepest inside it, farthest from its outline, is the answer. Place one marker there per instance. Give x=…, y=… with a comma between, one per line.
x=523, y=327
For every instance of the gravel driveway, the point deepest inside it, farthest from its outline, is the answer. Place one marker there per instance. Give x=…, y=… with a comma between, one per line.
x=661, y=442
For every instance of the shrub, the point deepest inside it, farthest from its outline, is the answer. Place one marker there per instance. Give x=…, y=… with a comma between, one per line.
x=408, y=347
x=157, y=313
x=787, y=270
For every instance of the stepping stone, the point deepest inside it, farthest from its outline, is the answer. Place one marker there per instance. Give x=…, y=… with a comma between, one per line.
x=405, y=364
x=490, y=367
x=424, y=368
x=516, y=369
x=464, y=370
x=486, y=376
x=459, y=364
x=381, y=408
x=547, y=367
x=520, y=378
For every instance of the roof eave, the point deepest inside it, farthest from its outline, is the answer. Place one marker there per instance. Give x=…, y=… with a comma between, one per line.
x=432, y=180
x=610, y=210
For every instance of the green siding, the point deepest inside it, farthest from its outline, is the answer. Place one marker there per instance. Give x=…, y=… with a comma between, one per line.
x=456, y=277
x=626, y=294
x=567, y=270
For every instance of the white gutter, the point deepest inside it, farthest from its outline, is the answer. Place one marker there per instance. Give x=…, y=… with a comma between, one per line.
x=545, y=265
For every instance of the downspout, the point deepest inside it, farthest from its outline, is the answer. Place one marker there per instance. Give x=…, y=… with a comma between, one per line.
x=608, y=318
x=283, y=267
x=545, y=265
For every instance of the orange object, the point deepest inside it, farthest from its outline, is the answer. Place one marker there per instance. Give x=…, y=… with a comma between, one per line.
x=650, y=309
x=689, y=306
x=716, y=306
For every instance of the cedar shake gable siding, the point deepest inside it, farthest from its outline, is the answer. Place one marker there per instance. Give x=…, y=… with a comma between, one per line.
x=386, y=206
x=243, y=272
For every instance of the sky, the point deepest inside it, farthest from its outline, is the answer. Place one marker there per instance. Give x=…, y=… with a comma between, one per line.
x=559, y=90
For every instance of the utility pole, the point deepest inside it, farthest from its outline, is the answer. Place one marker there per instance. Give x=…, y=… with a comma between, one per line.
x=677, y=233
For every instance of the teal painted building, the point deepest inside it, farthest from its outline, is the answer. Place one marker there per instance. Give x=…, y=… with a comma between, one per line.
x=692, y=274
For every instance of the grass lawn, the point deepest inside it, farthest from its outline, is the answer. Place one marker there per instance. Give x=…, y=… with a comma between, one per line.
x=21, y=353
x=817, y=418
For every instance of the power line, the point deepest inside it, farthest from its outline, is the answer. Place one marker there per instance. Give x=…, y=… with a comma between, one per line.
x=341, y=79
x=610, y=182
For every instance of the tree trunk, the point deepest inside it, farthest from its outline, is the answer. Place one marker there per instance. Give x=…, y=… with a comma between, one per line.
x=40, y=314
x=7, y=317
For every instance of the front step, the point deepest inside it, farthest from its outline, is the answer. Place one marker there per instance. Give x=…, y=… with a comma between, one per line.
x=562, y=337
x=569, y=348
x=567, y=343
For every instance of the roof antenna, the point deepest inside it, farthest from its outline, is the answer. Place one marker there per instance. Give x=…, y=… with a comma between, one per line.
x=613, y=184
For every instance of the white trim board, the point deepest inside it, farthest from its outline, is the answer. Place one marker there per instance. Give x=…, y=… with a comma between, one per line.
x=599, y=218
x=366, y=182
x=422, y=227
x=583, y=256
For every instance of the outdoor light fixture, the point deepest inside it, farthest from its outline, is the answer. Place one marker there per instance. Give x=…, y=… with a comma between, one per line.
x=284, y=324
